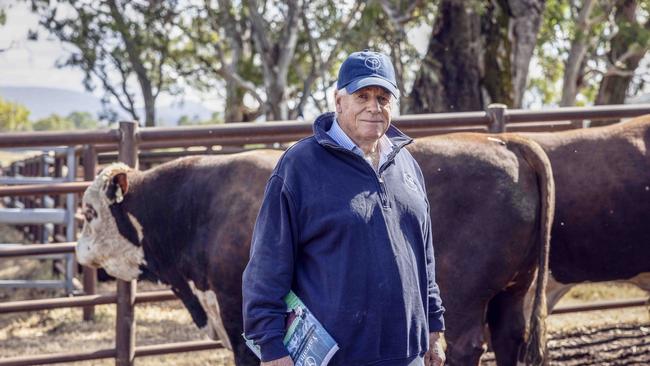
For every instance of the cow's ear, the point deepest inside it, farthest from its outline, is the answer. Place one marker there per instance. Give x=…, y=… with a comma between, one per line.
x=117, y=188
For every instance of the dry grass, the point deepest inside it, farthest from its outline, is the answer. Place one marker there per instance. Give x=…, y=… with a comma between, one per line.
x=62, y=330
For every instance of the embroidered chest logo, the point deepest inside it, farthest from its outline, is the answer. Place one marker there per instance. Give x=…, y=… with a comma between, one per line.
x=373, y=63
x=410, y=182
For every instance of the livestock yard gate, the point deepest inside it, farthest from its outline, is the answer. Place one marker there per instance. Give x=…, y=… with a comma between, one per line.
x=128, y=139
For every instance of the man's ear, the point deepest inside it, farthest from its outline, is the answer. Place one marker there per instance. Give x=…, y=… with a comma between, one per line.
x=337, y=102
x=117, y=188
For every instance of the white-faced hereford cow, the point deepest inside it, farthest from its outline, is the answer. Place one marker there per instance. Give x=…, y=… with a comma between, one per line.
x=189, y=223
x=602, y=224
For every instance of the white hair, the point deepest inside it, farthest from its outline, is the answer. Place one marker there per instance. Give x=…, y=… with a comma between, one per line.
x=394, y=101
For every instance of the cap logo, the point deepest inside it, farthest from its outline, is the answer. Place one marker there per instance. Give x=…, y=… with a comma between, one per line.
x=373, y=63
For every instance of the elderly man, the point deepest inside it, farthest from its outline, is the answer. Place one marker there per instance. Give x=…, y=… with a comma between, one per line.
x=345, y=224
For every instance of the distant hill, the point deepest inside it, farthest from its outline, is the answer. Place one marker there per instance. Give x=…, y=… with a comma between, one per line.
x=43, y=102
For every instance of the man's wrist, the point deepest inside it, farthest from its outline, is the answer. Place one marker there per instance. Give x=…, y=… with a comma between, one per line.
x=438, y=337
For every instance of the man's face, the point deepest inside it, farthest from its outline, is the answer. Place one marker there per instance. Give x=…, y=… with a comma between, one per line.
x=365, y=115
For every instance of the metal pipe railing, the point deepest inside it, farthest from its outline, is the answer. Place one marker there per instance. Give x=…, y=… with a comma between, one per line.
x=56, y=138
x=40, y=189
x=242, y=133
x=81, y=301
x=142, y=351
x=601, y=112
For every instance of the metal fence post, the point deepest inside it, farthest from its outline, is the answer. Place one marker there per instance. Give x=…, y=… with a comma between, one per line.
x=39, y=163
x=70, y=225
x=89, y=274
x=125, y=322
x=58, y=173
x=496, y=112
x=47, y=200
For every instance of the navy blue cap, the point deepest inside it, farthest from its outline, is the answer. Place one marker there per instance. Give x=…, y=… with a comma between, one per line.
x=367, y=68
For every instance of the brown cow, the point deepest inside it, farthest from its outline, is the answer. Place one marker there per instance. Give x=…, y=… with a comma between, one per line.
x=189, y=223
x=491, y=208
x=601, y=230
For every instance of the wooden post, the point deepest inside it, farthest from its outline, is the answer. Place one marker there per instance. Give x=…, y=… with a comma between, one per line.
x=89, y=274
x=496, y=112
x=125, y=322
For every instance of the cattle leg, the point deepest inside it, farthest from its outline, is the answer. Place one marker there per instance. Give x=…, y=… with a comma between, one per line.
x=506, y=318
x=243, y=356
x=231, y=316
x=232, y=319
x=464, y=336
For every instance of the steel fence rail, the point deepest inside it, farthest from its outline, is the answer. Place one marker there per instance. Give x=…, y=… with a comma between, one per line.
x=52, y=358
x=141, y=351
x=161, y=349
x=29, y=180
x=246, y=132
x=83, y=300
x=41, y=189
x=28, y=216
x=37, y=249
x=602, y=305
x=601, y=112
x=56, y=138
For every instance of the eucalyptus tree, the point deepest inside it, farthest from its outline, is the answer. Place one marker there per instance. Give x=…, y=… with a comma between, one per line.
x=628, y=45
x=479, y=52
x=590, y=51
x=272, y=58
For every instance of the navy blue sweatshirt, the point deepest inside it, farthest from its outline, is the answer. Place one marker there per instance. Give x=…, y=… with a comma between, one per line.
x=353, y=244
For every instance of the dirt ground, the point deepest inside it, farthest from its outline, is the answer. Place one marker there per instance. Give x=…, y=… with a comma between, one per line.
x=612, y=337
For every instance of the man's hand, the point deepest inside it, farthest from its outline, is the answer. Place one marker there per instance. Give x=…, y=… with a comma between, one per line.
x=436, y=354
x=284, y=361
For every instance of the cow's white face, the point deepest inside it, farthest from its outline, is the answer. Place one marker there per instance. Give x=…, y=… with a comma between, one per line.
x=101, y=244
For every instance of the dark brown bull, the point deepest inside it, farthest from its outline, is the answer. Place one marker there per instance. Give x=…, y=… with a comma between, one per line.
x=491, y=208
x=601, y=230
x=189, y=223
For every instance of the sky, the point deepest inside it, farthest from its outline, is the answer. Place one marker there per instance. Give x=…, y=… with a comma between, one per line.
x=29, y=63
x=33, y=63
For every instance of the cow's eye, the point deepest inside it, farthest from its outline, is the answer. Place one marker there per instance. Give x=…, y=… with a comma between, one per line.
x=89, y=213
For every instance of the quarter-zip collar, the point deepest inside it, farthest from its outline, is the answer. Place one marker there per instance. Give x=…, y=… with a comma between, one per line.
x=323, y=123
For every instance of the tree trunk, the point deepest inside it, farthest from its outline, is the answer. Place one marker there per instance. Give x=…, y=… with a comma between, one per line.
x=277, y=109
x=510, y=28
x=525, y=22
x=149, y=106
x=473, y=57
x=134, y=56
x=449, y=78
x=624, y=55
x=276, y=55
x=234, y=109
x=574, y=67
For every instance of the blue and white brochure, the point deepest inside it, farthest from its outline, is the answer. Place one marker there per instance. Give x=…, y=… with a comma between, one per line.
x=307, y=341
